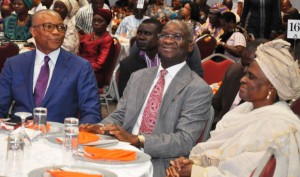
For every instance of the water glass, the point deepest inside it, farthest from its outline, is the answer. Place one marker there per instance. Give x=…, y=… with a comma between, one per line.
x=70, y=145
x=14, y=155
x=40, y=121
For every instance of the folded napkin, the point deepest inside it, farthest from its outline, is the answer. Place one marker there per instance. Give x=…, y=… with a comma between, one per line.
x=85, y=137
x=109, y=154
x=61, y=173
x=31, y=126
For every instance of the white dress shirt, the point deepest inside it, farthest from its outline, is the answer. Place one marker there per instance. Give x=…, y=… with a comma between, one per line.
x=39, y=61
x=171, y=73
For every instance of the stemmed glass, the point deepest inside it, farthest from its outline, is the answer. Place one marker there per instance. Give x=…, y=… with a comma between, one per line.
x=23, y=116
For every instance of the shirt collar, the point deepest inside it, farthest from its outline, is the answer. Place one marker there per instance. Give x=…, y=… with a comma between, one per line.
x=173, y=70
x=53, y=56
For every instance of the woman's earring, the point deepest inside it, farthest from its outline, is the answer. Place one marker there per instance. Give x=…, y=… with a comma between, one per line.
x=268, y=97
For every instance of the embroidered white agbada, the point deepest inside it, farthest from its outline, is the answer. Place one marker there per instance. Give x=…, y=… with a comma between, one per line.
x=243, y=136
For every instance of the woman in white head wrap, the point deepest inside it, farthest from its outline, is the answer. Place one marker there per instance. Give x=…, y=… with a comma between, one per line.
x=67, y=10
x=264, y=120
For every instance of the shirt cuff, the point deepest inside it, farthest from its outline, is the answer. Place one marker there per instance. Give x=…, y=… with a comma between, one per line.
x=198, y=171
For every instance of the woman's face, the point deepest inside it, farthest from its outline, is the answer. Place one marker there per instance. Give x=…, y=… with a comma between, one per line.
x=254, y=85
x=61, y=8
x=99, y=24
x=186, y=10
x=19, y=6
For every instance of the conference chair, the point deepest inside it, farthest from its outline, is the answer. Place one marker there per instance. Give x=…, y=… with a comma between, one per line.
x=7, y=49
x=215, y=71
x=205, y=133
x=295, y=107
x=266, y=166
x=113, y=59
x=206, y=44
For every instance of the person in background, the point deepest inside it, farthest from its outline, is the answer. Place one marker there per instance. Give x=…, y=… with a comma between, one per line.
x=131, y=22
x=237, y=7
x=6, y=11
x=44, y=4
x=67, y=10
x=50, y=77
x=264, y=121
x=262, y=17
x=17, y=26
x=201, y=10
x=186, y=17
x=227, y=97
x=95, y=47
x=84, y=16
x=285, y=5
x=158, y=9
x=175, y=10
x=171, y=128
x=233, y=41
x=229, y=5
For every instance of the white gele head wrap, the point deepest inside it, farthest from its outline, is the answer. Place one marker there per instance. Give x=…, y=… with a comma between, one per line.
x=280, y=68
x=72, y=6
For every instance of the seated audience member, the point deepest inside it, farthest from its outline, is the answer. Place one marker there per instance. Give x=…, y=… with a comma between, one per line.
x=285, y=5
x=44, y=4
x=49, y=76
x=183, y=100
x=212, y=26
x=67, y=9
x=175, y=9
x=158, y=10
x=227, y=97
x=186, y=17
x=201, y=10
x=229, y=5
x=17, y=26
x=264, y=120
x=84, y=16
x=132, y=22
x=6, y=11
x=233, y=41
x=95, y=47
x=125, y=9
x=237, y=7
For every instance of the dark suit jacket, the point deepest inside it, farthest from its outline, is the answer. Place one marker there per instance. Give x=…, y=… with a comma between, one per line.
x=72, y=90
x=226, y=94
x=183, y=113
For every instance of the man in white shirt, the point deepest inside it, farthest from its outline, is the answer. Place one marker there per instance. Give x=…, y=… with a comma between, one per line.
x=84, y=16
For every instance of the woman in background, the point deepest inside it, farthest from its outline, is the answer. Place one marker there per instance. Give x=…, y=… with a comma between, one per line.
x=17, y=26
x=95, y=47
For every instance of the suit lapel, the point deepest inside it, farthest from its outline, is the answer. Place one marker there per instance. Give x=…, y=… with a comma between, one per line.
x=30, y=60
x=182, y=78
x=59, y=72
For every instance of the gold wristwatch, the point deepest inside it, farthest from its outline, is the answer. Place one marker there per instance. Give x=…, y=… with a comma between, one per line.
x=141, y=140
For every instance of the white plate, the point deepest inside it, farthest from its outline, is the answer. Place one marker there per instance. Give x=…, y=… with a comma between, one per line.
x=141, y=158
x=42, y=172
x=104, y=141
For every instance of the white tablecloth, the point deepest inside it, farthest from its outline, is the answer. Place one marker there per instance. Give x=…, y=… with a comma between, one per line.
x=42, y=154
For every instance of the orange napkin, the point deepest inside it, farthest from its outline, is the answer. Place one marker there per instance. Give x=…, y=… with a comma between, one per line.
x=30, y=125
x=109, y=154
x=59, y=173
x=85, y=137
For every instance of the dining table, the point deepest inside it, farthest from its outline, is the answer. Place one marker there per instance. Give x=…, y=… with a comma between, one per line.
x=48, y=154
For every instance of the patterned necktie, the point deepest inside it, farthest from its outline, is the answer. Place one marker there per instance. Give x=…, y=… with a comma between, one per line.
x=153, y=105
x=41, y=83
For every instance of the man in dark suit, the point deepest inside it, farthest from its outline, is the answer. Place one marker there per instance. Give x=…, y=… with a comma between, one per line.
x=144, y=53
x=227, y=96
x=50, y=77
x=180, y=112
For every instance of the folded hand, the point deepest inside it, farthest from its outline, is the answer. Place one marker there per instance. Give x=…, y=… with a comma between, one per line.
x=92, y=128
x=180, y=167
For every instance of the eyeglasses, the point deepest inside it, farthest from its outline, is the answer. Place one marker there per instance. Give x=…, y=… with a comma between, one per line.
x=175, y=37
x=49, y=27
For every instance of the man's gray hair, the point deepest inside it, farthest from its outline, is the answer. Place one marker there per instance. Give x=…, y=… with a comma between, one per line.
x=185, y=27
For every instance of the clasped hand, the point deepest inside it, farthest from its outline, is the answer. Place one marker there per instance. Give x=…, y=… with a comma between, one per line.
x=111, y=129
x=180, y=167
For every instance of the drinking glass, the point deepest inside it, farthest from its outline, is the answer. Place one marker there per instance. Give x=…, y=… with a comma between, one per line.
x=70, y=145
x=40, y=121
x=23, y=116
x=14, y=155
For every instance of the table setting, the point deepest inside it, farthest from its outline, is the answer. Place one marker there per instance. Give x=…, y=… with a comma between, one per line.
x=51, y=149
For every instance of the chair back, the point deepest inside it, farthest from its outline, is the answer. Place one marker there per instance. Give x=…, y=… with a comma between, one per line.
x=116, y=78
x=215, y=71
x=111, y=61
x=266, y=166
x=205, y=133
x=7, y=49
x=295, y=107
x=206, y=45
